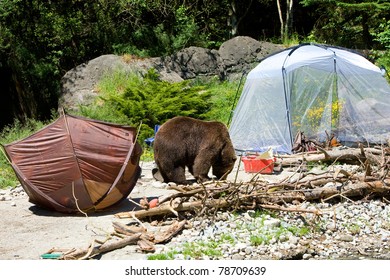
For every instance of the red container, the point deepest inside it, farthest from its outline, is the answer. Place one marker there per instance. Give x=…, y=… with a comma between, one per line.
x=252, y=164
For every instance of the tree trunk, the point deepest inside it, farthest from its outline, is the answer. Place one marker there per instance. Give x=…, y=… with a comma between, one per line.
x=285, y=24
x=288, y=23
x=281, y=20
x=233, y=22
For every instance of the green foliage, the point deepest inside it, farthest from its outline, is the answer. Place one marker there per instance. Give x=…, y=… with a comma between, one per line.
x=349, y=23
x=163, y=256
x=41, y=42
x=196, y=250
x=353, y=228
x=223, y=96
x=383, y=59
x=261, y=234
x=383, y=36
x=147, y=101
x=183, y=33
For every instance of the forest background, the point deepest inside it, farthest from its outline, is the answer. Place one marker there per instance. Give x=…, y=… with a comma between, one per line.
x=41, y=40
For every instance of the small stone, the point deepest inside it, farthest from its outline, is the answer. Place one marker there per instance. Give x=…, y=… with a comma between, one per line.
x=283, y=238
x=13, y=203
x=329, y=185
x=306, y=256
x=159, y=185
x=179, y=257
x=249, y=215
x=233, y=225
x=278, y=255
x=346, y=237
x=273, y=240
x=331, y=227
x=248, y=250
x=272, y=223
x=237, y=257
x=196, y=223
x=240, y=246
x=294, y=240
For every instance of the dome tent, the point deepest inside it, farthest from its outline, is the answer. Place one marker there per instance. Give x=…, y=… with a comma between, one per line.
x=315, y=89
x=77, y=164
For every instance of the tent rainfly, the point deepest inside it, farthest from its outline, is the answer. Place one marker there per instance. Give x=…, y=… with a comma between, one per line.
x=314, y=89
x=77, y=164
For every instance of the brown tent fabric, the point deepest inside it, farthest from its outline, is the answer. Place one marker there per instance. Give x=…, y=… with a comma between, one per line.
x=77, y=163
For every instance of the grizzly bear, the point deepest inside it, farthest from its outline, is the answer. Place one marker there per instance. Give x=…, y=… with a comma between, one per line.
x=198, y=145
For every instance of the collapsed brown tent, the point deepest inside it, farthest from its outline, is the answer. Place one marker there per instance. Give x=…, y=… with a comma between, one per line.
x=77, y=163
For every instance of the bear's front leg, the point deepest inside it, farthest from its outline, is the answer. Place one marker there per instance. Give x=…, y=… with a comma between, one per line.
x=177, y=175
x=201, y=167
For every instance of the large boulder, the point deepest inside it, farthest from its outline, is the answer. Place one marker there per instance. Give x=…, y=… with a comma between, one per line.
x=78, y=86
x=243, y=53
x=192, y=62
x=234, y=58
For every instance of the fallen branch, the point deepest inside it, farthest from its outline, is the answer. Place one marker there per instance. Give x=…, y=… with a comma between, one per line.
x=348, y=155
x=166, y=208
x=102, y=248
x=167, y=235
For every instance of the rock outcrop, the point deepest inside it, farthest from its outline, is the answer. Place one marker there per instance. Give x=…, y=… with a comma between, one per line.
x=234, y=58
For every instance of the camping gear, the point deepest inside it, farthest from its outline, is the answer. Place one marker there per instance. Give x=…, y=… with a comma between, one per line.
x=77, y=164
x=253, y=164
x=149, y=141
x=316, y=89
x=259, y=163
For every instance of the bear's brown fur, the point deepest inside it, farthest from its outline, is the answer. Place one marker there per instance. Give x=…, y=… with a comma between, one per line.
x=198, y=145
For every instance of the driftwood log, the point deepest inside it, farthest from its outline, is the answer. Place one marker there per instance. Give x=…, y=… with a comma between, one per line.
x=351, y=155
x=125, y=235
x=101, y=248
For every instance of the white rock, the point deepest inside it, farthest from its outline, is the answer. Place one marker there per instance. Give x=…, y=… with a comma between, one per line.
x=272, y=223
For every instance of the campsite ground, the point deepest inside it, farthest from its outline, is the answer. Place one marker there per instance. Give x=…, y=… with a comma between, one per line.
x=27, y=231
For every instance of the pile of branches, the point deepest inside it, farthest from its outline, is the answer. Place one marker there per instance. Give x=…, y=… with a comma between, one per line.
x=370, y=179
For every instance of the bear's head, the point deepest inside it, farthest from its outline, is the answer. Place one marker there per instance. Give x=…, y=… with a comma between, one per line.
x=225, y=162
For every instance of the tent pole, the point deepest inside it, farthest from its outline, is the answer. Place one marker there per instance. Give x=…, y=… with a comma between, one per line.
x=235, y=98
x=287, y=105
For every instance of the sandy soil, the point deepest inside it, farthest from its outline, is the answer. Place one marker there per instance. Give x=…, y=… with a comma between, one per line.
x=28, y=231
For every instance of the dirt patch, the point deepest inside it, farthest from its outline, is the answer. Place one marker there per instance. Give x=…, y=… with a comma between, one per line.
x=29, y=231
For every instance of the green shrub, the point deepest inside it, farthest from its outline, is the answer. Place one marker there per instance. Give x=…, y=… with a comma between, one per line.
x=224, y=95
x=163, y=256
x=145, y=102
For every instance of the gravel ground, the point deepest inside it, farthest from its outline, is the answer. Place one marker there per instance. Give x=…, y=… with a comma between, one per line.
x=345, y=230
